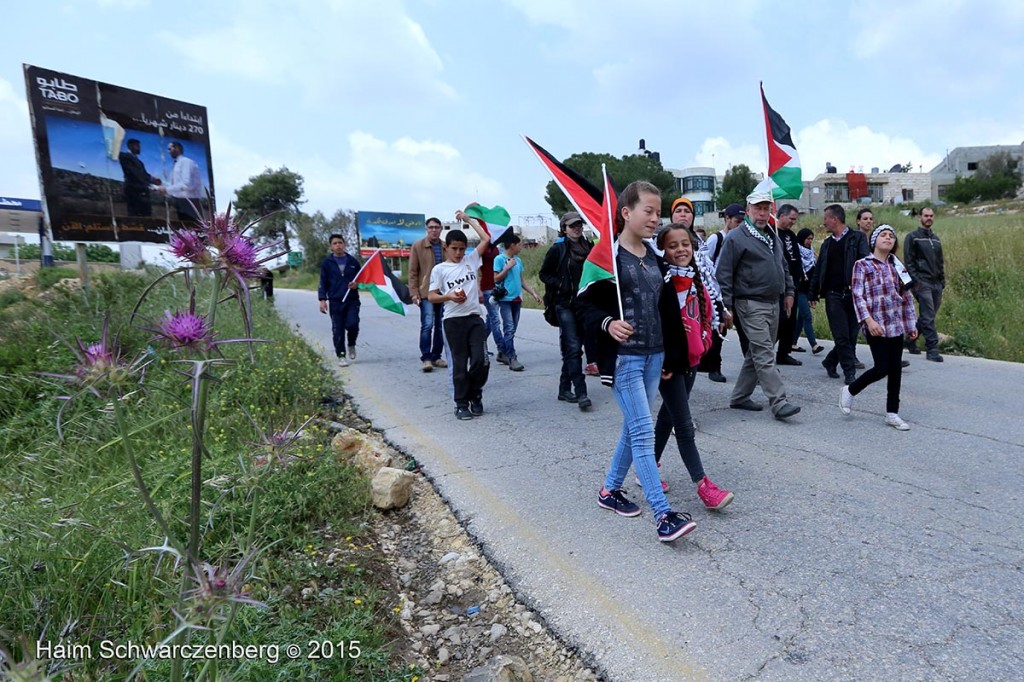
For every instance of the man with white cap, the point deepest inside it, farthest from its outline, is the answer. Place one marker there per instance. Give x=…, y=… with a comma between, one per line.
x=753, y=277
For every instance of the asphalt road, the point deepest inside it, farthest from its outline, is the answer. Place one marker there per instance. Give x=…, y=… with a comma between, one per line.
x=852, y=551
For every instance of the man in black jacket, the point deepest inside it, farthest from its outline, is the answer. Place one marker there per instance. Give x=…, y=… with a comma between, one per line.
x=785, y=218
x=136, y=180
x=560, y=273
x=922, y=254
x=833, y=275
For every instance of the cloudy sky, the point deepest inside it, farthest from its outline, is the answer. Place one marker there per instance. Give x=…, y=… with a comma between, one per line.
x=417, y=105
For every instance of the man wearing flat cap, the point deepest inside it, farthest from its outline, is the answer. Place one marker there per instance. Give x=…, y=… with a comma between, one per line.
x=754, y=277
x=560, y=273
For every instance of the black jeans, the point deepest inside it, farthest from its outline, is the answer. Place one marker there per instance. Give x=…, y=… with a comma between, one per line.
x=887, y=353
x=467, y=338
x=786, y=325
x=675, y=414
x=344, y=322
x=842, y=320
x=570, y=341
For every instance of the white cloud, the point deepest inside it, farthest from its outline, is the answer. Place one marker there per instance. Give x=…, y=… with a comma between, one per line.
x=859, y=147
x=961, y=48
x=720, y=154
x=833, y=141
x=17, y=173
x=343, y=50
x=401, y=175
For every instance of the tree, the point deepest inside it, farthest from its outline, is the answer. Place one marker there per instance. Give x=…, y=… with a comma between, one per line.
x=622, y=172
x=314, y=230
x=738, y=182
x=94, y=253
x=998, y=177
x=273, y=197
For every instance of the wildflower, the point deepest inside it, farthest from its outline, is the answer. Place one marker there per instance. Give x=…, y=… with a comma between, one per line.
x=274, y=446
x=216, y=586
x=190, y=246
x=186, y=330
x=101, y=369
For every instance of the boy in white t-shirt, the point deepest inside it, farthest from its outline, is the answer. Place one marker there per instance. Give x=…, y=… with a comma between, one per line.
x=455, y=283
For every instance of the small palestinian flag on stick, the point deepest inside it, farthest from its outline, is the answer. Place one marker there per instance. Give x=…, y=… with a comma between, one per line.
x=387, y=291
x=783, y=163
x=600, y=263
x=495, y=221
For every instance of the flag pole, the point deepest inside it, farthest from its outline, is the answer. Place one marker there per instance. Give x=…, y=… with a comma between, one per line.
x=365, y=263
x=611, y=233
x=767, y=154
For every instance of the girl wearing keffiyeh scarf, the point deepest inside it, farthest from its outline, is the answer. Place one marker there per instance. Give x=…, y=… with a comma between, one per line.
x=679, y=243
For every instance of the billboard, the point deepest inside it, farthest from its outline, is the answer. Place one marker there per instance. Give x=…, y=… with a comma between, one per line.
x=117, y=164
x=20, y=215
x=390, y=231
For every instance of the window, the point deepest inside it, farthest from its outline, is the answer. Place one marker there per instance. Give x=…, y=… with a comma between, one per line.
x=702, y=207
x=972, y=165
x=835, y=194
x=908, y=195
x=698, y=183
x=875, y=190
x=941, y=190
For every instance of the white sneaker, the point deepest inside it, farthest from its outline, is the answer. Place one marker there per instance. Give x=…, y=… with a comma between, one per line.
x=892, y=419
x=846, y=400
x=342, y=361
x=351, y=352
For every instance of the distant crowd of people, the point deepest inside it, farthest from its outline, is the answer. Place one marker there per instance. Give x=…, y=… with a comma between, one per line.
x=662, y=319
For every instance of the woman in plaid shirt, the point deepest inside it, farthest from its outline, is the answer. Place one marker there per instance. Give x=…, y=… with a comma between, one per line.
x=882, y=301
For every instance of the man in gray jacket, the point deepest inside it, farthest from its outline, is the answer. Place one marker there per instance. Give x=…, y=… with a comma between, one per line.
x=753, y=276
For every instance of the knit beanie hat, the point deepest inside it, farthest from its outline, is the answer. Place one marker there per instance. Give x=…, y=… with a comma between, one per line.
x=681, y=200
x=878, y=231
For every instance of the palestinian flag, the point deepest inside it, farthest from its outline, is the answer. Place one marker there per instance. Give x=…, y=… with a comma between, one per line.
x=783, y=162
x=382, y=284
x=600, y=263
x=582, y=194
x=495, y=221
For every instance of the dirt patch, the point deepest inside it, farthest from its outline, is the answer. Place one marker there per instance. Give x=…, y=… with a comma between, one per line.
x=456, y=611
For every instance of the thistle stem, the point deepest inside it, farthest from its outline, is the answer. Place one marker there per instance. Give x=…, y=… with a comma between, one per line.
x=122, y=427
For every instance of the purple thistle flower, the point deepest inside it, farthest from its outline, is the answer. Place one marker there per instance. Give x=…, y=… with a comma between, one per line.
x=274, y=447
x=102, y=369
x=240, y=256
x=216, y=586
x=190, y=246
x=185, y=330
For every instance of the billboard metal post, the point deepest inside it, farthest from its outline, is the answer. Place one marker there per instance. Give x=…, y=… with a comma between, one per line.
x=83, y=264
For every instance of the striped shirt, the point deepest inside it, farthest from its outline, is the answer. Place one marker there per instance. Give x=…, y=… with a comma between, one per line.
x=877, y=294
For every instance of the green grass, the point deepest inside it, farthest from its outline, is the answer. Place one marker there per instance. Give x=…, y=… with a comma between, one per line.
x=984, y=281
x=72, y=523
x=297, y=279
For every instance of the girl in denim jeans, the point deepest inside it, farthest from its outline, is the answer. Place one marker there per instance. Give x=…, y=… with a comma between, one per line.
x=632, y=350
x=694, y=307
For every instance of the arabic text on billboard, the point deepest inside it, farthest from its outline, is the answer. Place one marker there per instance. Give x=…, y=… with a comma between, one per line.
x=390, y=230
x=117, y=164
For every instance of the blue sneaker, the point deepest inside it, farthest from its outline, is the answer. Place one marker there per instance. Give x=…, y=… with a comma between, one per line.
x=617, y=502
x=674, y=525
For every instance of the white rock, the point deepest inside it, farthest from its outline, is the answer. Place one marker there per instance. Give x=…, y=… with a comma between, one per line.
x=391, y=488
x=449, y=557
x=497, y=632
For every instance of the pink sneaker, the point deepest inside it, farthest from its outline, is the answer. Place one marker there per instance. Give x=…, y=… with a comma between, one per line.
x=664, y=484
x=712, y=496
x=591, y=370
